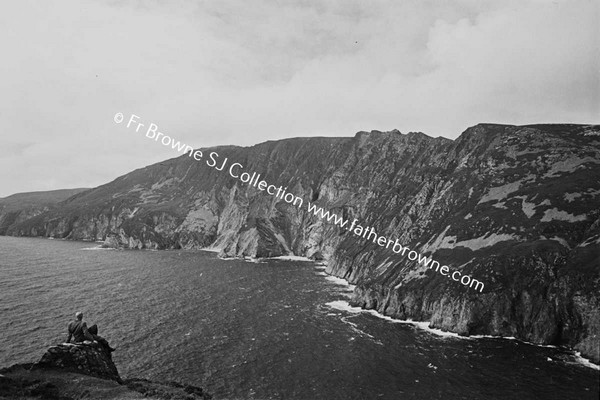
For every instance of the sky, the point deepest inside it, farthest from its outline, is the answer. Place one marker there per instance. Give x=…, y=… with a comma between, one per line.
x=242, y=72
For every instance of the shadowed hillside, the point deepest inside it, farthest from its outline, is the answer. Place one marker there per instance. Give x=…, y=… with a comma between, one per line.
x=22, y=206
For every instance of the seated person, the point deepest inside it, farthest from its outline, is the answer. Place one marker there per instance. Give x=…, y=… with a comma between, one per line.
x=78, y=331
x=93, y=330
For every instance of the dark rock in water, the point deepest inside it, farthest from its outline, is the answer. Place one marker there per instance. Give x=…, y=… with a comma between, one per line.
x=89, y=359
x=515, y=207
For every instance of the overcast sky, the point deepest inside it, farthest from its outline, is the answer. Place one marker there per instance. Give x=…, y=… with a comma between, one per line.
x=242, y=72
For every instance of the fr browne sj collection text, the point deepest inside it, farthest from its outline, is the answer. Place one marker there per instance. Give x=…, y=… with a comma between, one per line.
x=235, y=170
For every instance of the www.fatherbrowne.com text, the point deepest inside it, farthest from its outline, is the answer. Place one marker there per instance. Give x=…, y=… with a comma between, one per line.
x=236, y=170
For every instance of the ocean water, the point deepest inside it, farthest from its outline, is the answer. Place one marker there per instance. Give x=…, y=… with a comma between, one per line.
x=266, y=330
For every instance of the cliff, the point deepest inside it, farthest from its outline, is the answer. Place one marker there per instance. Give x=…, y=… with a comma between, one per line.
x=515, y=207
x=68, y=371
x=20, y=207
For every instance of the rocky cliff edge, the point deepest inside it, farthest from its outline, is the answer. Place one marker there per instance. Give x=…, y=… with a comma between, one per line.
x=68, y=372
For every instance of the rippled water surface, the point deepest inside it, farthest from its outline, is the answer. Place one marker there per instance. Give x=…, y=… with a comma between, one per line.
x=270, y=330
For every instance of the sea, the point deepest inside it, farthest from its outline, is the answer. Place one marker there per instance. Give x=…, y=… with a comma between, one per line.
x=247, y=329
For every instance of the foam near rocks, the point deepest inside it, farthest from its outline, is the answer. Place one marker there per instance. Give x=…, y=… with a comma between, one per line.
x=97, y=248
x=343, y=305
x=291, y=258
x=340, y=281
x=211, y=249
x=586, y=362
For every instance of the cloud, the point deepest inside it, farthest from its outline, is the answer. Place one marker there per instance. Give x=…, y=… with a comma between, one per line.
x=523, y=64
x=236, y=72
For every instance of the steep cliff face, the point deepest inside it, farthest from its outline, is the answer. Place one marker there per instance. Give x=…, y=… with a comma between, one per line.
x=23, y=206
x=514, y=207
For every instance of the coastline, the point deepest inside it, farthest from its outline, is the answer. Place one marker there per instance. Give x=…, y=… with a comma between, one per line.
x=344, y=305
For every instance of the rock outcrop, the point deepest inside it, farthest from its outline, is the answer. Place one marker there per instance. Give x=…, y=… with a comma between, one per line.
x=89, y=359
x=515, y=207
x=69, y=372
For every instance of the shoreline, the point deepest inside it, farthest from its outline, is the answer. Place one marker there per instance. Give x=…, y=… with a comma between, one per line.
x=343, y=305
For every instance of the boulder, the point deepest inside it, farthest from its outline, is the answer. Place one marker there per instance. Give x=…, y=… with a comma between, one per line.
x=87, y=358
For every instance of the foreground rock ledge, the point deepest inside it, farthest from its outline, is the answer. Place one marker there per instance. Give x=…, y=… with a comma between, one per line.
x=88, y=359
x=68, y=372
